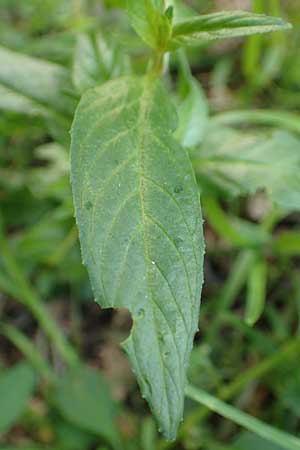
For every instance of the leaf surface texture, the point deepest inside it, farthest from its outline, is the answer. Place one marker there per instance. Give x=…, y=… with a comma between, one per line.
x=138, y=211
x=221, y=25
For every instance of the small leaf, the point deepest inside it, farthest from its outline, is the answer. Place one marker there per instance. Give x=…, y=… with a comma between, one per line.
x=235, y=230
x=223, y=25
x=287, y=243
x=15, y=102
x=148, y=434
x=149, y=21
x=140, y=225
x=33, y=83
x=169, y=13
x=193, y=114
x=70, y=437
x=51, y=178
x=256, y=291
x=86, y=71
x=16, y=388
x=96, y=61
x=267, y=117
x=241, y=163
x=37, y=244
x=83, y=397
x=288, y=389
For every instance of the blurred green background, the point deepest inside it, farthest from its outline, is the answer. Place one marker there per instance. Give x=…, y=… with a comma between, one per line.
x=48, y=319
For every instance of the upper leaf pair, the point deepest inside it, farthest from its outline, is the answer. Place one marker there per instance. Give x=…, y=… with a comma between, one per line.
x=150, y=21
x=154, y=25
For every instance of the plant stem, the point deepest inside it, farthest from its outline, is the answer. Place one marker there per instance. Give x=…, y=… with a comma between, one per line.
x=58, y=255
x=263, y=430
x=24, y=293
x=157, y=65
x=232, y=287
x=254, y=373
x=239, y=274
x=28, y=349
x=228, y=391
x=281, y=119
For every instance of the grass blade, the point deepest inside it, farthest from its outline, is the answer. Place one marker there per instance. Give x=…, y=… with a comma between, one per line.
x=263, y=430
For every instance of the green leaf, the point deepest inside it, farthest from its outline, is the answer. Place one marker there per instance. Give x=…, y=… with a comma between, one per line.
x=237, y=231
x=96, y=61
x=288, y=391
x=221, y=25
x=15, y=102
x=70, y=437
x=83, y=397
x=274, y=118
x=193, y=114
x=86, y=71
x=242, y=162
x=33, y=86
x=51, y=179
x=287, y=243
x=148, y=434
x=27, y=348
x=36, y=244
x=138, y=211
x=256, y=291
x=16, y=388
x=149, y=21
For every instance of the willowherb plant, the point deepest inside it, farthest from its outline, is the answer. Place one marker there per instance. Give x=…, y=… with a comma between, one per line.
x=137, y=200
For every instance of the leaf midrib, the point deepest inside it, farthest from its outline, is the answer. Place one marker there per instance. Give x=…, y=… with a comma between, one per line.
x=145, y=103
x=145, y=106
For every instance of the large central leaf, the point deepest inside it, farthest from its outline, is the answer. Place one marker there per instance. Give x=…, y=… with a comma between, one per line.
x=138, y=212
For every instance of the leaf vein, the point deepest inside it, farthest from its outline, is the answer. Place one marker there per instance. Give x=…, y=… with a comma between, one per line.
x=122, y=269
x=166, y=192
x=184, y=266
